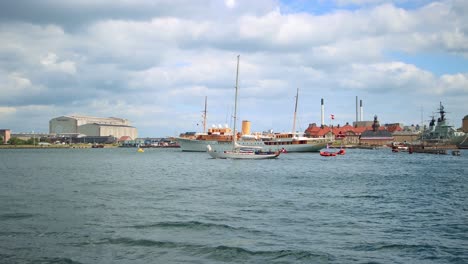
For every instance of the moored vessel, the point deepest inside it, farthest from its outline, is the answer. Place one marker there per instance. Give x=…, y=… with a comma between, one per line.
x=239, y=151
x=220, y=139
x=440, y=132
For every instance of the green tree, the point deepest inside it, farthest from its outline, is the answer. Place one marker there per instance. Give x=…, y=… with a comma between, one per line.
x=1, y=140
x=15, y=141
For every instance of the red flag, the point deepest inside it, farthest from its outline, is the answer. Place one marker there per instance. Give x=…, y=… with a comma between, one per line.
x=332, y=117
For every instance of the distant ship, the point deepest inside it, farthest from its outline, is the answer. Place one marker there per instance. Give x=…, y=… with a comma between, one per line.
x=440, y=132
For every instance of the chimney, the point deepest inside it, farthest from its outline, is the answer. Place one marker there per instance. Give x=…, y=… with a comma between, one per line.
x=362, y=111
x=357, y=110
x=323, y=114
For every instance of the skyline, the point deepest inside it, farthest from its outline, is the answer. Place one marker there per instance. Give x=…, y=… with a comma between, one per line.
x=153, y=62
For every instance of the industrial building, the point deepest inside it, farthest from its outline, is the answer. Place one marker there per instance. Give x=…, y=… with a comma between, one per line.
x=92, y=126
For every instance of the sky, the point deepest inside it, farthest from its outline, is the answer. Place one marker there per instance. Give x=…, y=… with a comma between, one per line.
x=153, y=62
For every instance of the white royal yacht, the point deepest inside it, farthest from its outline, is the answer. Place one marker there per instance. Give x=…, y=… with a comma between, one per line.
x=220, y=139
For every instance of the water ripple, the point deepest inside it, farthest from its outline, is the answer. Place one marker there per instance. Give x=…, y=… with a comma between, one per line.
x=15, y=216
x=227, y=253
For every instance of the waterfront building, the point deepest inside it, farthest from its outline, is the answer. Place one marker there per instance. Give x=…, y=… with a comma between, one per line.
x=394, y=127
x=5, y=134
x=347, y=134
x=314, y=131
x=92, y=126
x=373, y=134
x=465, y=124
x=406, y=136
x=376, y=136
x=363, y=123
x=27, y=135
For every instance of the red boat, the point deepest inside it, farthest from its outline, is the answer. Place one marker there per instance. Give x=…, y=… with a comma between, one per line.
x=327, y=154
x=341, y=152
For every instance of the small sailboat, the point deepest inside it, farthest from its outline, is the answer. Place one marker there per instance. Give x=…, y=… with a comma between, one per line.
x=239, y=151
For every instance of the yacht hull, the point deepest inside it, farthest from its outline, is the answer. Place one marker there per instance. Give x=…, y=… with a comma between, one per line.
x=194, y=145
x=241, y=155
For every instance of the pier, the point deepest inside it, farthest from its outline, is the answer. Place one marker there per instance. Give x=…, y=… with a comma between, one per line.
x=435, y=149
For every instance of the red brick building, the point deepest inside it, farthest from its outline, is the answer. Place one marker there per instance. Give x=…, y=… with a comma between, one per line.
x=349, y=135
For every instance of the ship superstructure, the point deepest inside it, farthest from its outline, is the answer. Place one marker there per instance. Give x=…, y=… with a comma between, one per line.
x=439, y=131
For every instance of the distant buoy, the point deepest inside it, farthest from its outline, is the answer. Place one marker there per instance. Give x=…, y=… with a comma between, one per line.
x=141, y=150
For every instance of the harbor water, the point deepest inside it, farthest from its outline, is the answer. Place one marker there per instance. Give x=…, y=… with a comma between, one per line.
x=167, y=206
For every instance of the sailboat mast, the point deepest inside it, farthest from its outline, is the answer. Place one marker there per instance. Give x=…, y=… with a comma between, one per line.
x=204, y=117
x=295, y=112
x=234, y=135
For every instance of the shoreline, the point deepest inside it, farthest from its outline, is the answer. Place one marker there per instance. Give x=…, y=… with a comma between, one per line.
x=52, y=146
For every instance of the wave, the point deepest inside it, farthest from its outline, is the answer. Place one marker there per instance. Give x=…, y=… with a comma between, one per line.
x=225, y=253
x=58, y=261
x=140, y=242
x=393, y=247
x=364, y=196
x=44, y=260
x=12, y=233
x=15, y=216
x=195, y=225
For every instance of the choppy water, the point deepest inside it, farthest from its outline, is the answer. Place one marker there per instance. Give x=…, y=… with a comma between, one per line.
x=165, y=206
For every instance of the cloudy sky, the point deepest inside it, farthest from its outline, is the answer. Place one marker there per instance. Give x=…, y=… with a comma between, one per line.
x=154, y=61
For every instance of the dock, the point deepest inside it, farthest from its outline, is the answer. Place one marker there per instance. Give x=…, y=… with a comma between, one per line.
x=430, y=151
x=436, y=149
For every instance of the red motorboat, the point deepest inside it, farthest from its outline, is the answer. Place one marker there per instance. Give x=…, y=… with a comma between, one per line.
x=341, y=152
x=327, y=154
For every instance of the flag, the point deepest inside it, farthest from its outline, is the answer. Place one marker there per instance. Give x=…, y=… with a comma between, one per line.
x=332, y=117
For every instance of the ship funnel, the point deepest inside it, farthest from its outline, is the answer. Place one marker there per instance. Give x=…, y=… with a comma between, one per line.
x=245, y=127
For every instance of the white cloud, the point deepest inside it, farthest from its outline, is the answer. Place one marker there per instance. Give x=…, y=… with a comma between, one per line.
x=161, y=59
x=5, y=111
x=230, y=3
x=51, y=62
x=393, y=77
x=15, y=84
x=456, y=84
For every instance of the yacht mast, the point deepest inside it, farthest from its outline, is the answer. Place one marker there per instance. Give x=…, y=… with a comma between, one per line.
x=295, y=112
x=204, y=117
x=234, y=134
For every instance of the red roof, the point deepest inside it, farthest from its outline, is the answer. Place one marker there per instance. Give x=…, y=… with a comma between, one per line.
x=316, y=131
x=124, y=138
x=393, y=128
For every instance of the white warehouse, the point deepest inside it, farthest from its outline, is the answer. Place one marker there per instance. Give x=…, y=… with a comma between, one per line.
x=92, y=126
